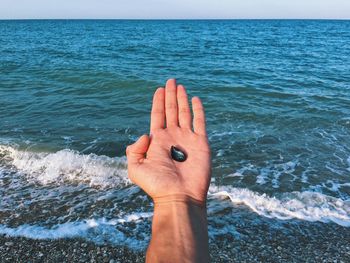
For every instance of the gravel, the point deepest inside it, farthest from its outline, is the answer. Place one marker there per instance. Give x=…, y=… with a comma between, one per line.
x=265, y=240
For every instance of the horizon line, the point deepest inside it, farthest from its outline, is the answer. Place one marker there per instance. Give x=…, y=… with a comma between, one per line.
x=174, y=19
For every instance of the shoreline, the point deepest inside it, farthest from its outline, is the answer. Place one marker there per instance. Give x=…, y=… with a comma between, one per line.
x=303, y=242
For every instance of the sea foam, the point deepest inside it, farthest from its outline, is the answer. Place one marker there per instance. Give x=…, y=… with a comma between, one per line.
x=99, y=230
x=103, y=171
x=309, y=206
x=68, y=165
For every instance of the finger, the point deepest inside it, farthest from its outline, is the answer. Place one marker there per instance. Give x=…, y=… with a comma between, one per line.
x=136, y=152
x=158, y=113
x=184, y=107
x=171, y=103
x=198, y=116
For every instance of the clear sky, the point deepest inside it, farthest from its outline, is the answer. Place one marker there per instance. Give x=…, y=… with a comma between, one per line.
x=147, y=9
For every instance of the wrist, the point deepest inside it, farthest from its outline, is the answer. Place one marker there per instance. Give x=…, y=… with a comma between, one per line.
x=180, y=207
x=178, y=198
x=179, y=221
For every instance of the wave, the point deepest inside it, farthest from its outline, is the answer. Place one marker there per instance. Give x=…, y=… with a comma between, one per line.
x=133, y=230
x=67, y=165
x=309, y=206
x=103, y=171
x=99, y=231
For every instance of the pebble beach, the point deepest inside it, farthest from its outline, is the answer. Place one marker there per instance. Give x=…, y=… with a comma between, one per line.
x=303, y=242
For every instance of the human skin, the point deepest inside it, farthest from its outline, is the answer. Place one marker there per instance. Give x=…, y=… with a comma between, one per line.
x=178, y=189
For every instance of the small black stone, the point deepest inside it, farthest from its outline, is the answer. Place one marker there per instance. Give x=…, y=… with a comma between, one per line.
x=177, y=154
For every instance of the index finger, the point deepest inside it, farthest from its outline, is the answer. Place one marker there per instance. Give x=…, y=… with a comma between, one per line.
x=158, y=110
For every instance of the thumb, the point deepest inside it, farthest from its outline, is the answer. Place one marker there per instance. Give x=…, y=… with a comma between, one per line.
x=136, y=152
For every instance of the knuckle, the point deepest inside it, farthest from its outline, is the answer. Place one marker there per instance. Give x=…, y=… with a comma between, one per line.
x=157, y=111
x=184, y=110
x=198, y=108
x=200, y=120
x=187, y=128
x=171, y=106
x=182, y=97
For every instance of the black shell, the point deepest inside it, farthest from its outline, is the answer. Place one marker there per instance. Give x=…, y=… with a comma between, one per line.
x=177, y=154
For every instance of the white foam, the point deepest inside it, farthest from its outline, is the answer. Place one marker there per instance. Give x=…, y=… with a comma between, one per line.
x=97, y=230
x=273, y=172
x=103, y=171
x=68, y=165
x=329, y=185
x=240, y=172
x=309, y=206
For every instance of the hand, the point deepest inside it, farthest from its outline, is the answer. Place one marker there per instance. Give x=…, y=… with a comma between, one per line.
x=149, y=162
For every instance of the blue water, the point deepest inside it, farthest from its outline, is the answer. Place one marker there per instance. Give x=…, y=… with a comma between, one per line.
x=74, y=94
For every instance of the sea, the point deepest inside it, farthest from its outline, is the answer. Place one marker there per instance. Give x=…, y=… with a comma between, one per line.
x=75, y=93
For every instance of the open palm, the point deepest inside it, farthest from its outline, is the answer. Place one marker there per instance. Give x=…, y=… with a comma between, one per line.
x=149, y=161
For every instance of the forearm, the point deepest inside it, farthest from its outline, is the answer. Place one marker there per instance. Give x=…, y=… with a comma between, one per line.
x=179, y=231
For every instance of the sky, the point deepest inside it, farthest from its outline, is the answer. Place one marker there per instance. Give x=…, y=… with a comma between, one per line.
x=174, y=9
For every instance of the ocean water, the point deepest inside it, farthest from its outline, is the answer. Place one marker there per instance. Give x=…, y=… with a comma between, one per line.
x=74, y=94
